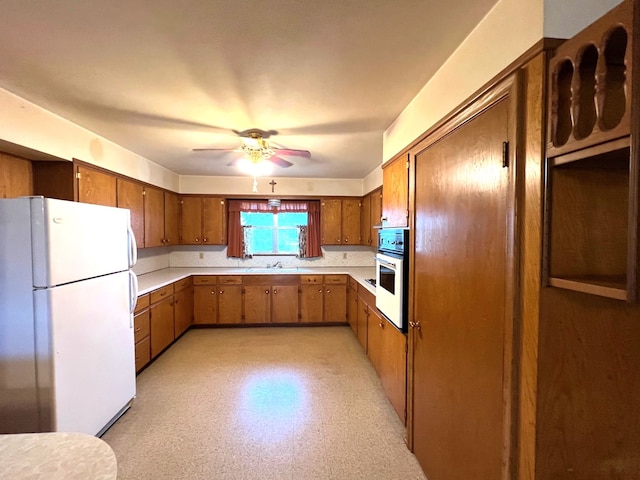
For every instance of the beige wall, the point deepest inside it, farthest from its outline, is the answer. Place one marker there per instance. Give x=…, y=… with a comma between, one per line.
x=28, y=125
x=506, y=32
x=285, y=186
x=372, y=181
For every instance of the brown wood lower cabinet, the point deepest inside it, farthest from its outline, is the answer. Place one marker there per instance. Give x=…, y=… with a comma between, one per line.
x=205, y=300
x=386, y=348
x=284, y=301
x=183, y=306
x=141, y=330
x=257, y=304
x=323, y=298
x=162, y=327
x=229, y=300
x=352, y=305
x=311, y=302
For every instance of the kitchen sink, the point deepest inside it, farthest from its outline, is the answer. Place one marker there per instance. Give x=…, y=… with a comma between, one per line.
x=271, y=270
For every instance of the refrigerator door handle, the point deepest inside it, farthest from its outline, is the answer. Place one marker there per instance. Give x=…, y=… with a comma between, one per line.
x=133, y=292
x=133, y=247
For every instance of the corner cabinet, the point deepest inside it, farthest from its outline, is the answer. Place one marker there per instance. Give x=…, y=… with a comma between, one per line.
x=591, y=212
x=203, y=221
x=395, y=194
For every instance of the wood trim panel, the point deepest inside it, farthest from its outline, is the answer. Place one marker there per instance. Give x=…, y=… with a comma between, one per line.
x=16, y=176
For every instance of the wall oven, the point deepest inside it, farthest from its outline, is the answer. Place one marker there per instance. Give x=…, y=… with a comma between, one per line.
x=392, y=273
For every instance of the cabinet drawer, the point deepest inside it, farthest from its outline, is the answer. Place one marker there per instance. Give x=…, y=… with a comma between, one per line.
x=143, y=353
x=142, y=303
x=230, y=280
x=205, y=280
x=161, y=293
x=353, y=283
x=335, y=279
x=141, y=326
x=311, y=279
x=182, y=284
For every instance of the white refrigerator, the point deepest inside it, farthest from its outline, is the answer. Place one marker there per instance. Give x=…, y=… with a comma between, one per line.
x=67, y=294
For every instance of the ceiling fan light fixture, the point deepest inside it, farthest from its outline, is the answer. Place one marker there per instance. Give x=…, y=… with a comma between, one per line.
x=258, y=168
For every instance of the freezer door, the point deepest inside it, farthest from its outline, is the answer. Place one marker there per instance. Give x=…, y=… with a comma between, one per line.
x=74, y=241
x=87, y=354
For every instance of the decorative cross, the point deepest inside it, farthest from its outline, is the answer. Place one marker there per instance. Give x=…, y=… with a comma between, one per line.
x=273, y=184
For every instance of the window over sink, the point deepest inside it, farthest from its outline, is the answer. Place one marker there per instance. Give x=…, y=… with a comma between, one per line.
x=273, y=233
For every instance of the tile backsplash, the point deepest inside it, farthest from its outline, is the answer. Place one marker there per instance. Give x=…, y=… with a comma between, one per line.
x=151, y=259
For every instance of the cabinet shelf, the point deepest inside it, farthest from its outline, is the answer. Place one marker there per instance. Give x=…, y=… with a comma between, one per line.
x=587, y=220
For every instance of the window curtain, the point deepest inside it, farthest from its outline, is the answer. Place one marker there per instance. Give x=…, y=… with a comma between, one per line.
x=236, y=237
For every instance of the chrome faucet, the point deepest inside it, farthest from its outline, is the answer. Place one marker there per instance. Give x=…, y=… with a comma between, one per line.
x=277, y=264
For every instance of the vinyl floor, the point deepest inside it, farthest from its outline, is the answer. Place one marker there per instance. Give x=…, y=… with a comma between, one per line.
x=262, y=403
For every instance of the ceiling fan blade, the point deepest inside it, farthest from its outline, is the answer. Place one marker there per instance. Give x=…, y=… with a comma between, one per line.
x=233, y=163
x=293, y=152
x=281, y=162
x=214, y=149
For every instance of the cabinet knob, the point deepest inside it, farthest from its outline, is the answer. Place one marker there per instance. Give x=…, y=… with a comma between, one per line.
x=320, y=291
x=328, y=291
x=267, y=292
x=213, y=292
x=338, y=240
x=415, y=325
x=346, y=240
x=221, y=292
x=275, y=292
x=205, y=240
x=381, y=324
x=197, y=240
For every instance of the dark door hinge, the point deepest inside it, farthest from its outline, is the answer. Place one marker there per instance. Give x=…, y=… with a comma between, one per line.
x=505, y=154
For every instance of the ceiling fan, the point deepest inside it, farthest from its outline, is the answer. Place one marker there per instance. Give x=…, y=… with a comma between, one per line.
x=256, y=149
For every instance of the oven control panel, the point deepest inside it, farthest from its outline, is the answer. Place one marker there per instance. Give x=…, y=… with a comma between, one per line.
x=393, y=240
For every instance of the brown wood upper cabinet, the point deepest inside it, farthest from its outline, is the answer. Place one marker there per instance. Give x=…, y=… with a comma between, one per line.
x=203, y=221
x=340, y=221
x=592, y=176
x=395, y=194
x=171, y=218
x=153, y=217
x=95, y=186
x=370, y=217
x=131, y=195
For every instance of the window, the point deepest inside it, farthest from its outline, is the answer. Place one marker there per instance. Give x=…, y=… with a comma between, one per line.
x=273, y=233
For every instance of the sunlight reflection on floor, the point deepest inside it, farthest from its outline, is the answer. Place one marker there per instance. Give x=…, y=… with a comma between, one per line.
x=272, y=401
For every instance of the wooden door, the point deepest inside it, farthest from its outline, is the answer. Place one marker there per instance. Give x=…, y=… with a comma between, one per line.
x=393, y=371
x=153, y=217
x=257, y=304
x=331, y=221
x=96, y=187
x=335, y=303
x=311, y=303
x=213, y=221
x=365, y=220
x=459, y=299
x=131, y=195
x=191, y=221
x=205, y=304
x=351, y=221
x=230, y=304
x=284, y=304
x=395, y=198
x=363, y=320
x=183, y=311
x=171, y=218
x=376, y=213
x=352, y=309
x=162, y=327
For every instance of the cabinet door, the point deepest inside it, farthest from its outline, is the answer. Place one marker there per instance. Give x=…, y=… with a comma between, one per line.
x=205, y=304
x=335, y=303
x=191, y=221
x=352, y=309
x=17, y=176
x=351, y=221
x=393, y=367
x=213, y=221
x=365, y=220
x=330, y=221
x=257, y=304
x=363, y=320
x=311, y=297
x=229, y=304
x=375, y=330
x=131, y=196
x=171, y=218
x=284, y=304
x=183, y=311
x=376, y=213
x=153, y=217
x=162, y=329
x=96, y=187
x=395, y=198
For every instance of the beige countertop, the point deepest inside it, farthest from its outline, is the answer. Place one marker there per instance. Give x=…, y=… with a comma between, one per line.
x=56, y=456
x=160, y=278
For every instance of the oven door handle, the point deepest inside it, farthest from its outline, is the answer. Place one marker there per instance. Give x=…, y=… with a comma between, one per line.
x=385, y=263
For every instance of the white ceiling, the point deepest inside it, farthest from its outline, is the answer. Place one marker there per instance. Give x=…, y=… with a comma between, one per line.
x=161, y=77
